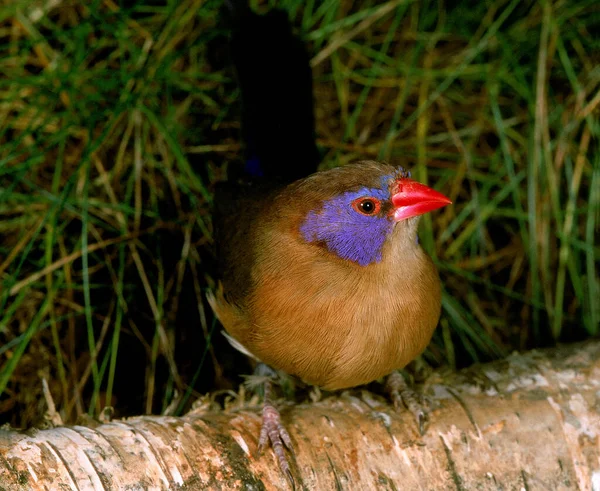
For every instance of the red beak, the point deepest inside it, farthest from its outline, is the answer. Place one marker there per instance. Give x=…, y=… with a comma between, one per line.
x=411, y=198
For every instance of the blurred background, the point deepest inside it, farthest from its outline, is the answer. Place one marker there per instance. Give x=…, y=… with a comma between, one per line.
x=118, y=117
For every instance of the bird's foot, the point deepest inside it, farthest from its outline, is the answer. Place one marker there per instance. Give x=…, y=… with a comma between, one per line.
x=402, y=395
x=274, y=432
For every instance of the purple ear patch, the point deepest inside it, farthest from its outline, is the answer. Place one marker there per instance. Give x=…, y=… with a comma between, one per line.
x=346, y=232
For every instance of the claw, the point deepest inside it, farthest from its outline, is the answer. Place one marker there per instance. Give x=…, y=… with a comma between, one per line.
x=421, y=421
x=291, y=479
x=273, y=432
x=402, y=395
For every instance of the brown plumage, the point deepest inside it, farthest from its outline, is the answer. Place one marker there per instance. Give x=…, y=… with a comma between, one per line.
x=324, y=279
x=299, y=307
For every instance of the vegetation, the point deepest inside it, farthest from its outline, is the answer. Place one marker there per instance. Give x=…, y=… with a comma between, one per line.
x=117, y=118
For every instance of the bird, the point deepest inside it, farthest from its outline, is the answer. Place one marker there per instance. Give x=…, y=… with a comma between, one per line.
x=320, y=274
x=324, y=279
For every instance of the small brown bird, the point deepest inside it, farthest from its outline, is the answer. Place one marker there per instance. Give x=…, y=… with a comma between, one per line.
x=324, y=279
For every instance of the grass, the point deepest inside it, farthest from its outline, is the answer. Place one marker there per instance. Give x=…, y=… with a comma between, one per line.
x=116, y=120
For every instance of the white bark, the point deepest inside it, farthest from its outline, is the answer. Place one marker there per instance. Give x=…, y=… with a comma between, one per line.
x=528, y=422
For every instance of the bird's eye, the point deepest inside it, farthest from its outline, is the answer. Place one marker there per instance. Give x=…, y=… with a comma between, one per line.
x=366, y=206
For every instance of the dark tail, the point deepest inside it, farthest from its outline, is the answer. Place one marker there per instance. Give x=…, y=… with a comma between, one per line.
x=273, y=70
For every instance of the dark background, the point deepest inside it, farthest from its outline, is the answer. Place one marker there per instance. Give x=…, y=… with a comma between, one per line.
x=118, y=119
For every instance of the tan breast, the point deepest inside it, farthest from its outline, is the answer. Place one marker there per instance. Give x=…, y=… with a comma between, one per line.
x=336, y=324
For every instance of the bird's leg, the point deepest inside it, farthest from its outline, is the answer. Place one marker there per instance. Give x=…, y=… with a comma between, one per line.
x=402, y=394
x=272, y=429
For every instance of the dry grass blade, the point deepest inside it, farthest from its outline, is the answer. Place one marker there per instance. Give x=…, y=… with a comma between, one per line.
x=116, y=120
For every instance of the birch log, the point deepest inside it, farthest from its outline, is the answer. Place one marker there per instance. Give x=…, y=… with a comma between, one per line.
x=529, y=422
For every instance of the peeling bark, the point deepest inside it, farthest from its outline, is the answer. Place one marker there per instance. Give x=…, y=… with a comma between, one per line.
x=529, y=422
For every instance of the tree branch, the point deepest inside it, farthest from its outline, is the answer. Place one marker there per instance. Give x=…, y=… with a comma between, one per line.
x=528, y=422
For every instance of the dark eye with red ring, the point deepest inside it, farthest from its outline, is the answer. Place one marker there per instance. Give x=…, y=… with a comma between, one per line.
x=366, y=206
